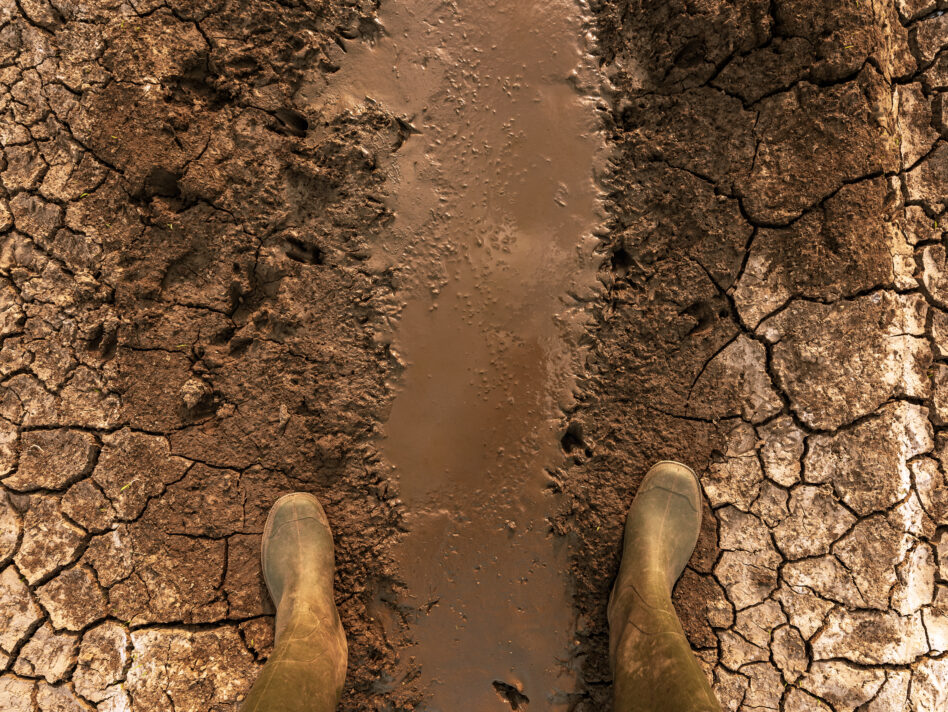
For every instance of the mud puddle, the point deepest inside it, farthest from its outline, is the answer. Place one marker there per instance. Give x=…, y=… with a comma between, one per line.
x=495, y=200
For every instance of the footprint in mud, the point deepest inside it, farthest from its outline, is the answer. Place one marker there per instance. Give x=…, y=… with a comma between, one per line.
x=300, y=251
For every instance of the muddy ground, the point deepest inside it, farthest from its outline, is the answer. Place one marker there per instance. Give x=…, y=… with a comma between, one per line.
x=191, y=326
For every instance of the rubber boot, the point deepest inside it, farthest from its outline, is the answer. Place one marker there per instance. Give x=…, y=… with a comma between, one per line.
x=654, y=669
x=307, y=668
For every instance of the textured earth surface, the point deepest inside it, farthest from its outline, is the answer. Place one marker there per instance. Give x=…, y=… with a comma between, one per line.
x=191, y=326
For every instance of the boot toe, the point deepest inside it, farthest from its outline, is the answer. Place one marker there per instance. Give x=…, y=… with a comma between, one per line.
x=296, y=543
x=666, y=516
x=296, y=505
x=676, y=478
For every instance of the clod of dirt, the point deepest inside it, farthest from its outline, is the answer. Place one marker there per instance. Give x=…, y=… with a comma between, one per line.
x=514, y=697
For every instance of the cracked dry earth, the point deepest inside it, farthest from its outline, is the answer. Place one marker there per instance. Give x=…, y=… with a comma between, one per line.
x=193, y=323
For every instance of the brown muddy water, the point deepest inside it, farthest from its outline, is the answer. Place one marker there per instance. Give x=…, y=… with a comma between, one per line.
x=495, y=200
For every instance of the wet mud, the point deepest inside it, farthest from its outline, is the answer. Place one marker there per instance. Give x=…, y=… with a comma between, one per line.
x=236, y=240
x=494, y=201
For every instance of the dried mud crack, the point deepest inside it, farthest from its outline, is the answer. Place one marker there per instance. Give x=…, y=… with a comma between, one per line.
x=200, y=310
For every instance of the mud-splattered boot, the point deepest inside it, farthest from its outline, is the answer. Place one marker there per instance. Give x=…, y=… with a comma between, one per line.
x=307, y=668
x=653, y=667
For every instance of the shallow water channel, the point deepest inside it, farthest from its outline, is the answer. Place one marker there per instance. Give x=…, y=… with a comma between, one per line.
x=494, y=200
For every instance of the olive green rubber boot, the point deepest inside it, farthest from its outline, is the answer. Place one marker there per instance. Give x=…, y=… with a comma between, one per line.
x=653, y=667
x=307, y=668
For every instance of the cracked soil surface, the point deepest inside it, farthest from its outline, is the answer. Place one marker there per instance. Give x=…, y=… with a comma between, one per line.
x=194, y=321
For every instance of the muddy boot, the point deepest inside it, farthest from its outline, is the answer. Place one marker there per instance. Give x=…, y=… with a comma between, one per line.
x=653, y=667
x=307, y=668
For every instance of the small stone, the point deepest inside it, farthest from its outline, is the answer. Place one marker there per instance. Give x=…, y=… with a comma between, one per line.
x=73, y=599
x=916, y=575
x=930, y=685
x=102, y=658
x=870, y=638
x=53, y=459
x=193, y=392
x=842, y=684
x=20, y=611
x=49, y=539
x=748, y=577
x=47, y=653
x=815, y=522
x=867, y=464
x=16, y=694
x=782, y=450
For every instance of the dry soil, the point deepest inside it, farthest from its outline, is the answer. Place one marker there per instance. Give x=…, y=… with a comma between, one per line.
x=212, y=292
